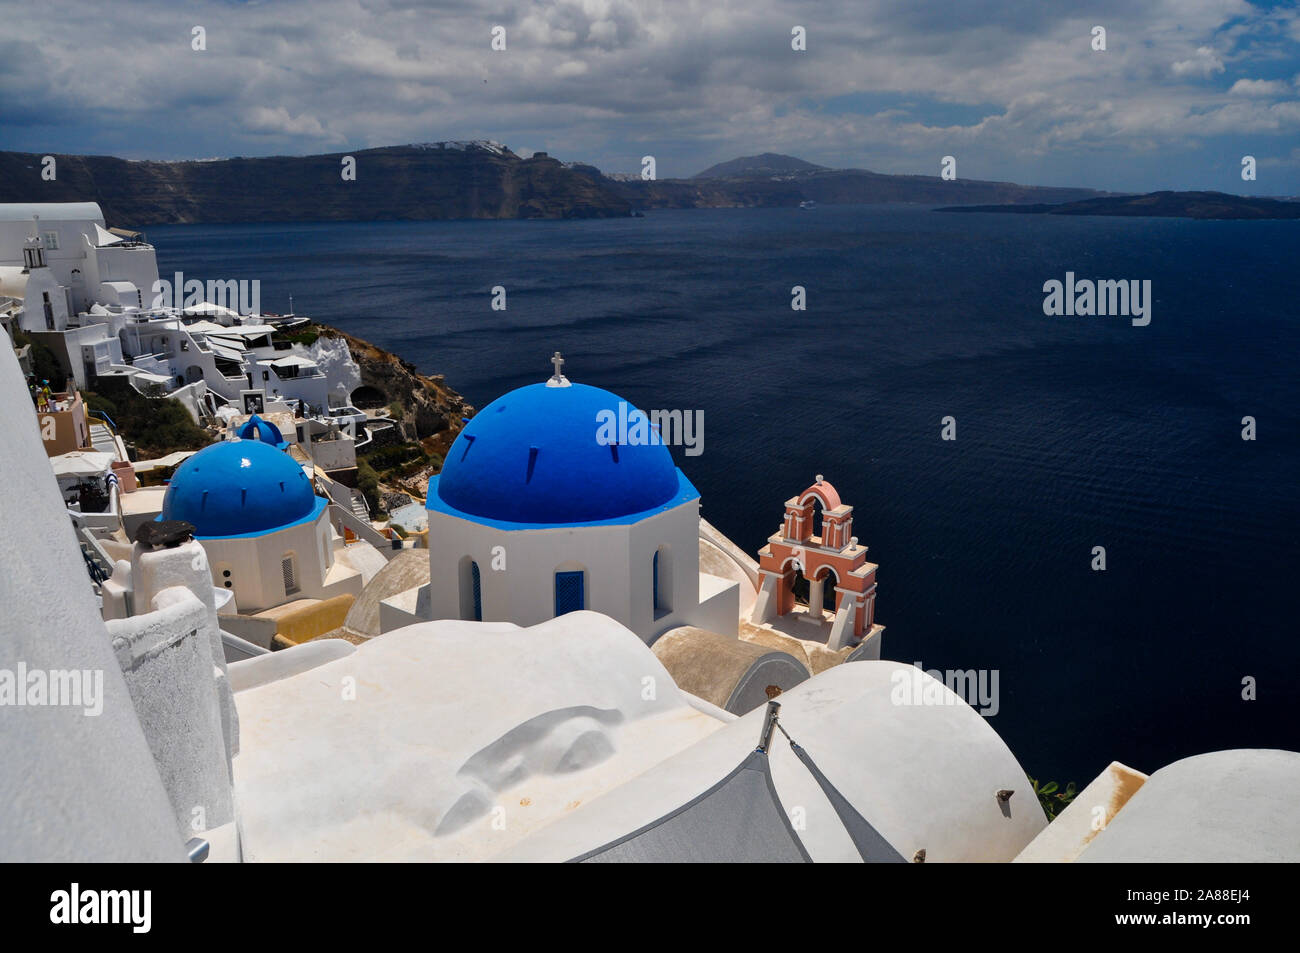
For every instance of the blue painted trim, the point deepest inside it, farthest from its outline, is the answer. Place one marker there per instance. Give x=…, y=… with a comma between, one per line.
x=685, y=493
x=316, y=510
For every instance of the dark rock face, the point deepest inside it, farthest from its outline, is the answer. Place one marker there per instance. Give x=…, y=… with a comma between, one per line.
x=426, y=404
x=394, y=499
x=746, y=189
x=392, y=183
x=437, y=181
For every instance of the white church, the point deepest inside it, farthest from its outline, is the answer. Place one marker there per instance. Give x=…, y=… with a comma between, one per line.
x=533, y=516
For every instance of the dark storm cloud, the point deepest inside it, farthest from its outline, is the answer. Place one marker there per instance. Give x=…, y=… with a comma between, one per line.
x=1014, y=89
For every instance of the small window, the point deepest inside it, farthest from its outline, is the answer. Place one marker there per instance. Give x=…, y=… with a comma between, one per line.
x=570, y=594
x=290, y=572
x=662, y=582
x=52, y=241
x=477, y=583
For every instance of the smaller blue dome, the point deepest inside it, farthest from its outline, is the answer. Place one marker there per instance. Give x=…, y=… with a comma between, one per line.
x=255, y=428
x=240, y=488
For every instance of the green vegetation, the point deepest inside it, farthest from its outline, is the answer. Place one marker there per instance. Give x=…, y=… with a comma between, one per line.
x=306, y=338
x=45, y=365
x=401, y=460
x=368, y=484
x=396, y=461
x=1052, y=798
x=156, y=425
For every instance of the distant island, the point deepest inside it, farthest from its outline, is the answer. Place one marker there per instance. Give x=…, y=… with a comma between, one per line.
x=1202, y=205
x=774, y=180
x=476, y=179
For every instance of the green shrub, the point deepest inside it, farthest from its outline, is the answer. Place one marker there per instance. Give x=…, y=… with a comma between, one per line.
x=1052, y=798
x=156, y=425
x=392, y=457
x=46, y=366
x=368, y=484
x=305, y=338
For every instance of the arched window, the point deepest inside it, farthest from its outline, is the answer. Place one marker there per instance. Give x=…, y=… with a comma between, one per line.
x=471, y=590
x=570, y=591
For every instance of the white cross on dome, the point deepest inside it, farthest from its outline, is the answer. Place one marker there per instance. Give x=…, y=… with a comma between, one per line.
x=557, y=379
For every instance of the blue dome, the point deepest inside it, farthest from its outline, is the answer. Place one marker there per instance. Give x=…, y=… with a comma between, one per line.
x=533, y=456
x=240, y=488
x=255, y=428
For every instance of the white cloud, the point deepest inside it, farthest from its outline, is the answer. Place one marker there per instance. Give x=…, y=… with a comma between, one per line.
x=1260, y=87
x=278, y=121
x=887, y=84
x=1205, y=63
x=571, y=68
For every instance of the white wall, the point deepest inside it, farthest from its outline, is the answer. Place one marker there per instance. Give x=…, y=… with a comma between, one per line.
x=256, y=569
x=75, y=787
x=617, y=561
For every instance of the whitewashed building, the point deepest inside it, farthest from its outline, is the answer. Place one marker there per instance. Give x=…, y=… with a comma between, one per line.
x=90, y=294
x=533, y=516
x=267, y=534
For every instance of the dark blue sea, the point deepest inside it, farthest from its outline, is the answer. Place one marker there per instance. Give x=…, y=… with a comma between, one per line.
x=1072, y=432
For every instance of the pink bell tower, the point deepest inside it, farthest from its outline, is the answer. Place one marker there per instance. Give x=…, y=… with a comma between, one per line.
x=822, y=553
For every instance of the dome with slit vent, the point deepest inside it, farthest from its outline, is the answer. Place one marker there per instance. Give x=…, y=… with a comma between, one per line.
x=538, y=455
x=240, y=488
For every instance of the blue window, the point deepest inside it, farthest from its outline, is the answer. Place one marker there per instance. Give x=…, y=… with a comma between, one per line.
x=570, y=595
x=478, y=592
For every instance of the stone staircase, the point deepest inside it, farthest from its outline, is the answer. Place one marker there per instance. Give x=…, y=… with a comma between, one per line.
x=101, y=438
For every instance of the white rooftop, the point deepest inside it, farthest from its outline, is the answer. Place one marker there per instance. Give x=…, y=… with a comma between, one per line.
x=51, y=211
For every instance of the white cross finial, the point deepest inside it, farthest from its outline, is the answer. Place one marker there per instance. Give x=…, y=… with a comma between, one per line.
x=819, y=478
x=557, y=379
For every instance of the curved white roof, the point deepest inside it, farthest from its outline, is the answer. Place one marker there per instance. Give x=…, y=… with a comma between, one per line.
x=451, y=721
x=924, y=776
x=1235, y=806
x=51, y=212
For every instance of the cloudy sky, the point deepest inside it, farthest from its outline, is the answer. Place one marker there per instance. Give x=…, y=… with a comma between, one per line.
x=1012, y=89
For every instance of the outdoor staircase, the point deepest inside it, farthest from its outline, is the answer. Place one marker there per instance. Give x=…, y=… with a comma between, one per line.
x=101, y=438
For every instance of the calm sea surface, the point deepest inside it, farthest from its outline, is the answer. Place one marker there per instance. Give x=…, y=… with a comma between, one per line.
x=1072, y=432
